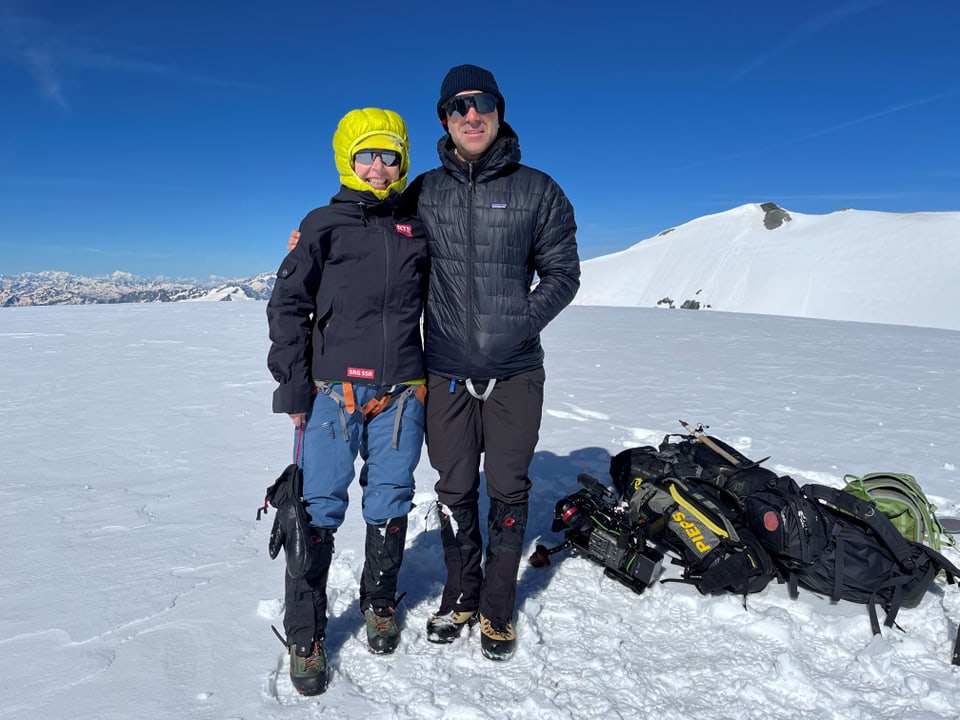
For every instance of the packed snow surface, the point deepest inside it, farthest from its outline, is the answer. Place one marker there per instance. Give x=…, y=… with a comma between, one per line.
x=137, y=442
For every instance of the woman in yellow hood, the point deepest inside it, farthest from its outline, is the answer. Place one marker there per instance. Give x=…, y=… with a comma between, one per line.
x=371, y=129
x=346, y=351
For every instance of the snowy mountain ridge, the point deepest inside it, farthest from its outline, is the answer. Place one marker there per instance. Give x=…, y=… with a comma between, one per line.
x=62, y=288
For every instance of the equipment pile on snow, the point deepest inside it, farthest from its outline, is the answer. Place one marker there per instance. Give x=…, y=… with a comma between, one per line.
x=733, y=526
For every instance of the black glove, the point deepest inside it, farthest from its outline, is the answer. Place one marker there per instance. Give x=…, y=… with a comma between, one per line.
x=291, y=525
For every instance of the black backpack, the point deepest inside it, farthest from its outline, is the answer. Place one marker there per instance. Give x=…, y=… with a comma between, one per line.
x=675, y=492
x=696, y=455
x=840, y=546
x=820, y=538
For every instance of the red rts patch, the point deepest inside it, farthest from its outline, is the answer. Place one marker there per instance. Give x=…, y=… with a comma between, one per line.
x=362, y=373
x=404, y=229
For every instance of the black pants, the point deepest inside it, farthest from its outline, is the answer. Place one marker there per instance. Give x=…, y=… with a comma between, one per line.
x=504, y=428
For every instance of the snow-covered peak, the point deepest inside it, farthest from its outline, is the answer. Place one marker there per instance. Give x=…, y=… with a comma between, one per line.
x=867, y=266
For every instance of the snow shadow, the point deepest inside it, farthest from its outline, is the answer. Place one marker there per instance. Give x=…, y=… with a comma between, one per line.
x=423, y=574
x=554, y=477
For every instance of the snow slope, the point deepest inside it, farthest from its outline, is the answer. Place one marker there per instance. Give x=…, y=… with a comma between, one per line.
x=849, y=265
x=136, y=442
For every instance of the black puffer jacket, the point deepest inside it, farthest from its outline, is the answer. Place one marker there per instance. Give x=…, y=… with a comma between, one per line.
x=348, y=299
x=490, y=224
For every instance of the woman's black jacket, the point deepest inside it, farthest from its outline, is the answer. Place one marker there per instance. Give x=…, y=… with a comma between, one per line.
x=347, y=301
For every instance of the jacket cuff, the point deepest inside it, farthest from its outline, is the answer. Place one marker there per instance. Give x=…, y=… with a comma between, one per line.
x=292, y=398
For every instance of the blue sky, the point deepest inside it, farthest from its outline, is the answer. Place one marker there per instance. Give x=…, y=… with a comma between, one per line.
x=186, y=139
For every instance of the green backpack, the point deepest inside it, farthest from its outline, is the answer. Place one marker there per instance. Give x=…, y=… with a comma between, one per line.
x=900, y=498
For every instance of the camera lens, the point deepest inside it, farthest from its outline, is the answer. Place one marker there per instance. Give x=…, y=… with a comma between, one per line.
x=568, y=513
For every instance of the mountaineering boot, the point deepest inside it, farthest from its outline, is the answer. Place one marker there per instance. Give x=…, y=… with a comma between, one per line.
x=446, y=627
x=497, y=643
x=305, y=616
x=308, y=668
x=383, y=635
x=506, y=525
x=462, y=554
x=383, y=551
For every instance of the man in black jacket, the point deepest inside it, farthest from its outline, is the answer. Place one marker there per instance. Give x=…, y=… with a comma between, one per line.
x=491, y=224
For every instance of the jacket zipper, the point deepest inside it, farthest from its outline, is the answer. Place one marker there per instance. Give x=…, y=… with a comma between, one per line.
x=386, y=293
x=469, y=315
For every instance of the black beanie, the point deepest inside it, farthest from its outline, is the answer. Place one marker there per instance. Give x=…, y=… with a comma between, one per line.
x=468, y=77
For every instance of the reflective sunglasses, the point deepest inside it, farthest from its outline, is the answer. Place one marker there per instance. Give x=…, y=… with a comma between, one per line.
x=459, y=105
x=389, y=158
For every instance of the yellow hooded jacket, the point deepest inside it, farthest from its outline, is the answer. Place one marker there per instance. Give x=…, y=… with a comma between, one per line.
x=366, y=129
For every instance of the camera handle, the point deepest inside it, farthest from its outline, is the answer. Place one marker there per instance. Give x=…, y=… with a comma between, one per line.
x=541, y=556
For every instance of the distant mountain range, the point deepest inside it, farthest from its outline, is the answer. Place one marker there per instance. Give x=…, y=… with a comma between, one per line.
x=61, y=288
x=896, y=268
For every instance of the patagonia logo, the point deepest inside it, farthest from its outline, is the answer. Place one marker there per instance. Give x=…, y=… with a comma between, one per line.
x=499, y=206
x=692, y=530
x=362, y=373
x=404, y=229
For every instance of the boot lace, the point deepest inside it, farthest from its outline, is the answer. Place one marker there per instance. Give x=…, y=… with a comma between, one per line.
x=381, y=619
x=487, y=628
x=312, y=661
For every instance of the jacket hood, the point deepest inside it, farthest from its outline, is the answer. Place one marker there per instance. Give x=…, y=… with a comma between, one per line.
x=370, y=128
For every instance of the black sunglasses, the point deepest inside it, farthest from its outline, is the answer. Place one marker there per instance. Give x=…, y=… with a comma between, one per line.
x=459, y=105
x=389, y=158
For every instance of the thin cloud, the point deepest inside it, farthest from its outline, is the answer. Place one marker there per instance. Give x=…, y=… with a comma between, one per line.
x=88, y=60
x=45, y=181
x=20, y=43
x=900, y=107
x=804, y=31
x=42, y=66
x=85, y=182
x=113, y=253
x=873, y=116
x=52, y=55
x=780, y=197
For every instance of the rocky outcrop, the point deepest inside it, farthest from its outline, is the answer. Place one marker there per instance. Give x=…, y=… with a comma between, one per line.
x=774, y=216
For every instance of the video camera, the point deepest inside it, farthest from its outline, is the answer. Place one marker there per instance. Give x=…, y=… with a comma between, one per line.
x=594, y=525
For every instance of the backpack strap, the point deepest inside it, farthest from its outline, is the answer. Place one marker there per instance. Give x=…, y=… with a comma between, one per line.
x=793, y=587
x=895, y=542
x=951, y=571
x=868, y=513
x=874, y=620
x=732, y=574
